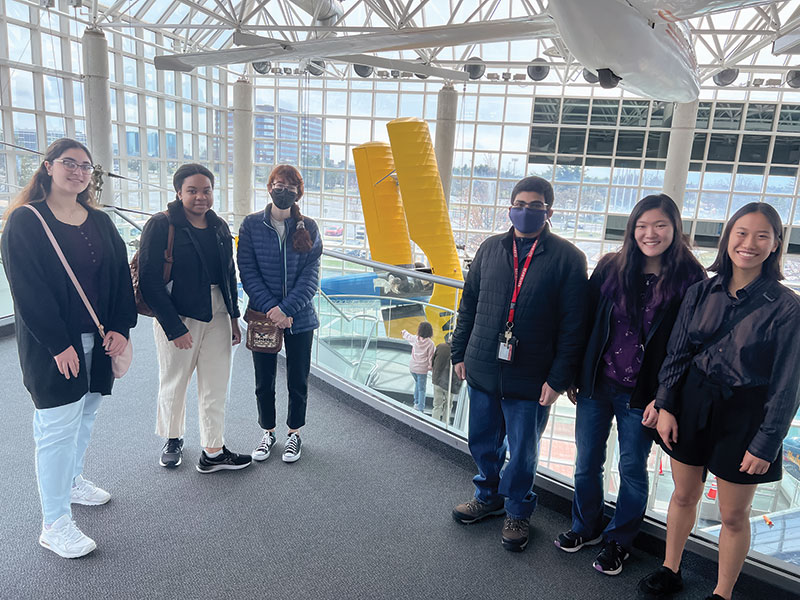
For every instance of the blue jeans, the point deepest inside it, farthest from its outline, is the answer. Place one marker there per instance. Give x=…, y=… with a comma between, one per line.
x=62, y=435
x=497, y=424
x=420, y=385
x=592, y=426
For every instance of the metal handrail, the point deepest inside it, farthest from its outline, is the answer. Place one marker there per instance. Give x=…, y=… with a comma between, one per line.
x=454, y=283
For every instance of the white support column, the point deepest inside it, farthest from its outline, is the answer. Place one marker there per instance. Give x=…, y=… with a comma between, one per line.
x=446, y=112
x=243, y=156
x=97, y=97
x=679, y=150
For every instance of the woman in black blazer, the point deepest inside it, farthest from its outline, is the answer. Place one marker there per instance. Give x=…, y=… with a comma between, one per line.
x=66, y=365
x=196, y=316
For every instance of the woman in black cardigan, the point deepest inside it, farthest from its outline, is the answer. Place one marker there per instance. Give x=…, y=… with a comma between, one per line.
x=196, y=316
x=66, y=365
x=634, y=297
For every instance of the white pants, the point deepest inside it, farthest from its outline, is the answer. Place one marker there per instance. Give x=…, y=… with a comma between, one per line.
x=210, y=354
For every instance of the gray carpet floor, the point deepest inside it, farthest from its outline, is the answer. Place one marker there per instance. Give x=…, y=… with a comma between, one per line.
x=364, y=514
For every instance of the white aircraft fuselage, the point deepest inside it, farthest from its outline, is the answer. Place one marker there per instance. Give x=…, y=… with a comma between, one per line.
x=654, y=57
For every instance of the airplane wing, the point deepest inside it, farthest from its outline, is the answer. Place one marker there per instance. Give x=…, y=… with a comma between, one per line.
x=679, y=10
x=504, y=30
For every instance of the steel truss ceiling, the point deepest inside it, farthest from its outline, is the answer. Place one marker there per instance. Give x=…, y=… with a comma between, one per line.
x=741, y=39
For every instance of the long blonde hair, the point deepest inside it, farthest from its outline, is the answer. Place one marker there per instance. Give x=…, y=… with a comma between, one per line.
x=38, y=187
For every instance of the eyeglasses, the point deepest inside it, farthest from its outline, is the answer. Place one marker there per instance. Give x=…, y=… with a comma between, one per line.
x=70, y=165
x=283, y=186
x=536, y=205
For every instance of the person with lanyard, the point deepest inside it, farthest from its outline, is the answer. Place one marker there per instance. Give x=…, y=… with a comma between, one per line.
x=728, y=391
x=518, y=342
x=634, y=297
x=196, y=316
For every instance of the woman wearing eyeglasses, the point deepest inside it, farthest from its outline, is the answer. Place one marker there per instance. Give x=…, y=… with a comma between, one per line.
x=66, y=365
x=279, y=255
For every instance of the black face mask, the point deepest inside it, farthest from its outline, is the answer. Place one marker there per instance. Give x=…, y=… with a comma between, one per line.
x=284, y=198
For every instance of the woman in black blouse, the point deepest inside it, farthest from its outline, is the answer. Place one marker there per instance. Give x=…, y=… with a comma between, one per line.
x=728, y=392
x=66, y=365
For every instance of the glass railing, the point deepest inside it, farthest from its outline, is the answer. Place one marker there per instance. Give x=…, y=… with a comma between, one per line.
x=358, y=341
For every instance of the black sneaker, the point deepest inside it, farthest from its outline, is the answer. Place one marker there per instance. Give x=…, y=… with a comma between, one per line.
x=610, y=559
x=661, y=583
x=291, y=449
x=226, y=460
x=171, y=454
x=714, y=597
x=515, y=534
x=569, y=541
x=475, y=510
x=264, y=447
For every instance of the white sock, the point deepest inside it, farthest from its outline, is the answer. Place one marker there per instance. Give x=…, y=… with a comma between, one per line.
x=212, y=454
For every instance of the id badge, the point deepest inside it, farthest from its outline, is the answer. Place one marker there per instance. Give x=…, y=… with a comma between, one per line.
x=506, y=348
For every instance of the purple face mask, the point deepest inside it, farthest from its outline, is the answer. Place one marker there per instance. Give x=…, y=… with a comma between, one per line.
x=527, y=220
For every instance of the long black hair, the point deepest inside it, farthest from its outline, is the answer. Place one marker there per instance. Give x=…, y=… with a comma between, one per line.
x=679, y=267
x=771, y=268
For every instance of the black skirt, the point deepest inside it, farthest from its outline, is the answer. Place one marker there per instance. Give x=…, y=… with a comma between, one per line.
x=716, y=424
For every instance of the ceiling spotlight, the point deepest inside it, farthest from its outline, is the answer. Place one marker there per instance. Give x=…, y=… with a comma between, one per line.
x=262, y=66
x=316, y=66
x=475, y=67
x=538, y=69
x=726, y=77
x=793, y=78
x=421, y=75
x=590, y=77
x=363, y=70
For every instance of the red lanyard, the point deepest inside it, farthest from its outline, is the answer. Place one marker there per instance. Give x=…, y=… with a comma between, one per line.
x=519, y=277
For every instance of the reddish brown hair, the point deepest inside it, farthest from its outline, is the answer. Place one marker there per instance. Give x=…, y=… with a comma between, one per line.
x=301, y=240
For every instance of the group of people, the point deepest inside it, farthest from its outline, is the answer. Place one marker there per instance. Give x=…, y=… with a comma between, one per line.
x=706, y=367
x=67, y=360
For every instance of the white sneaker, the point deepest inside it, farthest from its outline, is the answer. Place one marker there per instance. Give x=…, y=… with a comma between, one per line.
x=85, y=492
x=264, y=447
x=65, y=539
x=291, y=449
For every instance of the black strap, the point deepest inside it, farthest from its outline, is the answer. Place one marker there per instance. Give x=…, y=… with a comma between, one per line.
x=751, y=306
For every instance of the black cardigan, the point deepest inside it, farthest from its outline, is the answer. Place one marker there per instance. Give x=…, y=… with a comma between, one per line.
x=655, y=346
x=191, y=284
x=549, y=322
x=44, y=298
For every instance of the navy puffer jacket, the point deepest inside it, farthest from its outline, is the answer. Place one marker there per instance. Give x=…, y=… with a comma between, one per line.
x=273, y=273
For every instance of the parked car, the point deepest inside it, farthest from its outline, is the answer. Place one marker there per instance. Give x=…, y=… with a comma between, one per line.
x=334, y=230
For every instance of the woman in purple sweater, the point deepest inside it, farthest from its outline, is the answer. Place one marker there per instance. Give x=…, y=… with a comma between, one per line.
x=635, y=294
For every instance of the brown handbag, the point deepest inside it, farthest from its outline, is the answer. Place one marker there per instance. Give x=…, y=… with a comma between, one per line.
x=262, y=334
x=141, y=305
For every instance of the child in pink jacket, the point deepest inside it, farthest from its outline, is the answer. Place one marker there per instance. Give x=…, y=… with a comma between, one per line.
x=422, y=348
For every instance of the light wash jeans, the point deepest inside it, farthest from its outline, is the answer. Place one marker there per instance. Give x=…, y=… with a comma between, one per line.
x=420, y=388
x=62, y=435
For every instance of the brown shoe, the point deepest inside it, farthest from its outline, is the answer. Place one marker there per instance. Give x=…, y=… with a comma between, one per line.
x=515, y=534
x=475, y=510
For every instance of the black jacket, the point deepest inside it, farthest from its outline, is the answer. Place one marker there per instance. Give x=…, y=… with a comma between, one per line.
x=44, y=299
x=191, y=283
x=549, y=322
x=655, y=346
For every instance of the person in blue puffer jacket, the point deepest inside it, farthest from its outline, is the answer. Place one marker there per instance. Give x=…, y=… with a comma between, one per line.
x=279, y=255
